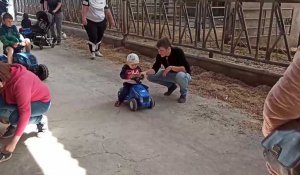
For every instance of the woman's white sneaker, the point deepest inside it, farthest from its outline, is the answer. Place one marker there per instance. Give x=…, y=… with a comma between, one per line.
x=98, y=54
x=93, y=55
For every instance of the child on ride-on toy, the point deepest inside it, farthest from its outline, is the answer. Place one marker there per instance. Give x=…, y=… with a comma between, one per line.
x=129, y=70
x=11, y=39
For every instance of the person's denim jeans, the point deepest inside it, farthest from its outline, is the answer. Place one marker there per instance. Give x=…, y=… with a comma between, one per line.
x=10, y=112
x=180, y=78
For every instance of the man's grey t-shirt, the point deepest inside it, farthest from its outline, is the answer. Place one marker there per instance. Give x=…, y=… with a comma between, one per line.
x=96, y=9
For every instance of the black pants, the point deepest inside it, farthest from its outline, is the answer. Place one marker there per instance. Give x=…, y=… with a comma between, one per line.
x=124, y=92
x=95, y=31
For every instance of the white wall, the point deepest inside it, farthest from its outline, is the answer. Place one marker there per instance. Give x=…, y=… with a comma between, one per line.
x=10, y=7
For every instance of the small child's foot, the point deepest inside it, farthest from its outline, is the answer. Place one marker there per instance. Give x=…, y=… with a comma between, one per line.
x=118, y=103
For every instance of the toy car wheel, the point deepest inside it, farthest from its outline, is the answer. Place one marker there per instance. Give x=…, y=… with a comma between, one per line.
x=152, y=103
x=43, y=72
x=133, y=104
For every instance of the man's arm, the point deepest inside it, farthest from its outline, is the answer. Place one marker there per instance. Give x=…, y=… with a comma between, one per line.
x=109, y=17
x=46, y=5
x=177, y=68
x=185, y=67
x=84, y=11
x=156, y=66
x=42, y=4
x=57, y=7
x=282, y=104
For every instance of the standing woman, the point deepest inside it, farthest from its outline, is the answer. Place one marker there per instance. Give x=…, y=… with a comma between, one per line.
x=95, y=15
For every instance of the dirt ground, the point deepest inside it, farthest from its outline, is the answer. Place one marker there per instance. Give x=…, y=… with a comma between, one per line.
x=89, y=135
x=205, y=83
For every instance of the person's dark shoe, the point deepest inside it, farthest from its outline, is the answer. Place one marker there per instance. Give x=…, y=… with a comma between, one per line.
x=182, y=99
x=10, y=131
x=5, y=157
x=58, y=43
x=118, y=104
x=42, y=127
x=170, y=90
x=54, y=40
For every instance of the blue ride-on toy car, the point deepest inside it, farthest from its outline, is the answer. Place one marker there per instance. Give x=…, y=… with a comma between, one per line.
x=139, y=96
x=30, y=62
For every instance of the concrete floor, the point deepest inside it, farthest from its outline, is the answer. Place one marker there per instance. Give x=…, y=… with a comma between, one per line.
x=92, y=137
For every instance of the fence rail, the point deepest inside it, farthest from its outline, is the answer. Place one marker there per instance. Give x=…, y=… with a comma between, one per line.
x=226, y=27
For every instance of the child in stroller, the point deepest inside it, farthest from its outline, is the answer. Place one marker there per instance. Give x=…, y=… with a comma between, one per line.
x=39, y=31
x=26, y=25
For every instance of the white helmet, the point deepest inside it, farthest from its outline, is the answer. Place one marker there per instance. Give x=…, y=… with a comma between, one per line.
x=133, y=58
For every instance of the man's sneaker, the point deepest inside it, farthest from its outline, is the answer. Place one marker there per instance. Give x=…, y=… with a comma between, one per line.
x=5, y=157
x=10, y=131
x=98, y=54
x=170, y=90
x=182, y=99
x=42, y=127
x=93, y=55
x=54, y=40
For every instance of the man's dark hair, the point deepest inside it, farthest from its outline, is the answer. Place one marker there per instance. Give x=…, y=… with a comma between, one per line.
x=163, y=42
x=7, y=16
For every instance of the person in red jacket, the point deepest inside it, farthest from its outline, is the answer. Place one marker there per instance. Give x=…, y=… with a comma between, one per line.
x=129, y=70
x=24, y=99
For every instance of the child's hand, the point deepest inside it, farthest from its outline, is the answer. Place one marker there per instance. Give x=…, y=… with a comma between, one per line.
x=22, y=43
x=144, y=74
x=15, y=45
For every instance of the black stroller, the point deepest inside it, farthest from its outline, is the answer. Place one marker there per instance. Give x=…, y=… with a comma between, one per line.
x=38, y=33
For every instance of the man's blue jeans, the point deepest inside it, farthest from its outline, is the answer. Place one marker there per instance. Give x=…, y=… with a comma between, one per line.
x=180, y=78
x=10, y=112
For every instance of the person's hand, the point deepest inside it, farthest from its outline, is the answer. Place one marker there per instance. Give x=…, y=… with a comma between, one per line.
x=26, y=41
x=9, y=148
x=144, y=74
x=111, y=24
x=167, y=70
x=84, y=21
x=15, y=45
x=22, y=43
x=54, y=11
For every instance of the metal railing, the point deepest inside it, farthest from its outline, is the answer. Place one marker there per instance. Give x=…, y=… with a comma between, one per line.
x=231, y=29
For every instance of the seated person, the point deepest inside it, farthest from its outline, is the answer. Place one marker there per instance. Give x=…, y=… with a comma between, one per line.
x=129, y=70
x=26, y=23
x=11, y=39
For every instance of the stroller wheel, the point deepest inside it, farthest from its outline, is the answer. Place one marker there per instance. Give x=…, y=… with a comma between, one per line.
x=41, y=47
x=52, y=45
x=43, y=72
